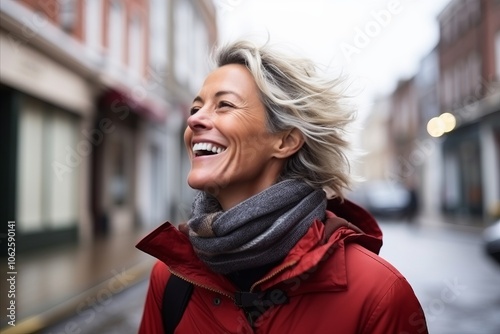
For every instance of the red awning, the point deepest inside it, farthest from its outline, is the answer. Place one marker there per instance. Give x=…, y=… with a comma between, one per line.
x=139, y=102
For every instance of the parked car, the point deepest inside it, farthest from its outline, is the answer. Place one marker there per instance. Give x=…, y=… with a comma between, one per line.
x=383, y=198
x=491, y=237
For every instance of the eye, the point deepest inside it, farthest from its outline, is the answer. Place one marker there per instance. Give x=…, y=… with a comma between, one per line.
x=224, y=104
x=194, y=110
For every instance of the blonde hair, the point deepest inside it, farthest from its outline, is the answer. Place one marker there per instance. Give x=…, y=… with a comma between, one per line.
x=296, y=96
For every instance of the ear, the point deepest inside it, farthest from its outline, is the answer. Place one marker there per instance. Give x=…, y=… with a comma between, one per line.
x=290, y=142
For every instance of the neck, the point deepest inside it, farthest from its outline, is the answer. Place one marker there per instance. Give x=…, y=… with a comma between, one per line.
x=230, y=197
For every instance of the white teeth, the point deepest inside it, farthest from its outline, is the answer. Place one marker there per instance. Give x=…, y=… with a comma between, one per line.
x=208, y=147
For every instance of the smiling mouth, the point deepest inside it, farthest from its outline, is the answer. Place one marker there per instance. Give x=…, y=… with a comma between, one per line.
x=203, y=149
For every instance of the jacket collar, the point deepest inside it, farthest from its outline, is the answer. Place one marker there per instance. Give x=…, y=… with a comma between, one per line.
x=173, y=247
x=346, y=222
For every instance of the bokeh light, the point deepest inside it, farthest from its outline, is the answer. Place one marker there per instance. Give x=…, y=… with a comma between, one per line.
x=448, y=121
x=435, y=127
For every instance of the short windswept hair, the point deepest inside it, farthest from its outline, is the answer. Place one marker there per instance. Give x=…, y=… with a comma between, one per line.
x=295, y=95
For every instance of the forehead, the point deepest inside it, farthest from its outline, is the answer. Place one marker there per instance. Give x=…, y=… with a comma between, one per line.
x=234, y=77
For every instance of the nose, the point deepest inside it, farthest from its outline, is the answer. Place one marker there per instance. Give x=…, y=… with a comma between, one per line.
x=199, y=120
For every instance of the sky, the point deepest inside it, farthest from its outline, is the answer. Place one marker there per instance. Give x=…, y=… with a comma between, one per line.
x=374, y=43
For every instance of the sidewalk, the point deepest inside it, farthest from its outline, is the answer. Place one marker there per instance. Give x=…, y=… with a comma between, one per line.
x=63, y=281
x=458, y=223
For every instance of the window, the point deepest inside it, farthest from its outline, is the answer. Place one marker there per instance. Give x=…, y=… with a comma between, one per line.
x=445, y=32
x=497, y=56
x=159, y=34
x=67, y=15
x=183, y=28
x=447, y=88
x=461, y=20
x=93, y=24
x=451, y=180
x=200, y=56
x=120, y=153
x=135, y=46
x=119, y=180
x=115, y=32
x=30, y=173
x=476, y=73
x=48, y=162
x=473, y=73
x=457, y=84
x=474, y=11
x=466, y=85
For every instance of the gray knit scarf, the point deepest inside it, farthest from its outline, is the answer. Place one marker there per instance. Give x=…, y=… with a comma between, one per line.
x=257, y=231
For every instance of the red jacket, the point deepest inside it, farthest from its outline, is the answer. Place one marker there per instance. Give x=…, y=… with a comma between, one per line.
x=334, y=278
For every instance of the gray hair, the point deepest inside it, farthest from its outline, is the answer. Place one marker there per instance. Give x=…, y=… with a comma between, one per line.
x=296, y=96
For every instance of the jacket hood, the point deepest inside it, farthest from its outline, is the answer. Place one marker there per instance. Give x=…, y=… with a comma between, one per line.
x=360, y=218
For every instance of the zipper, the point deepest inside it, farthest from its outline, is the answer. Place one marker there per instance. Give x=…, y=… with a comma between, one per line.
x=202, y=286
x=285, y=266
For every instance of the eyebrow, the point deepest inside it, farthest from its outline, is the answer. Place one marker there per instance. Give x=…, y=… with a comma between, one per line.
x=218, y=94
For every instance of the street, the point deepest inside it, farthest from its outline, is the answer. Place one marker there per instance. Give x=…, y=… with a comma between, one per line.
x=458, y=286
x=121, y=314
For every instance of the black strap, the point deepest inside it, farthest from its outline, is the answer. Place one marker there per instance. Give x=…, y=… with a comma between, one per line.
x=175, y=299
x=257, y=299
x=255, y=304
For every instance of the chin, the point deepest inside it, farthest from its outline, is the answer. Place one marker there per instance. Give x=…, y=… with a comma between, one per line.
x=195, y=183
x=204, y=183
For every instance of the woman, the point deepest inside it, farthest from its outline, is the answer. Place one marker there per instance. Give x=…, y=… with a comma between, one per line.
x=271, y=246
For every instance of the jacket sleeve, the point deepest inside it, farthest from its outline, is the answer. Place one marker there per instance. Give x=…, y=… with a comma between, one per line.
x=152, y=322
x=399, y=311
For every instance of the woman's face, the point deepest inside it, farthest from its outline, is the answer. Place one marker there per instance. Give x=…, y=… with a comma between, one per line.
x=233, y=156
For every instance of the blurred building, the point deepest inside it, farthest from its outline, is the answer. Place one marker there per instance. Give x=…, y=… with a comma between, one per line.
x=94, y=98
x=403, y=128
x=414, y=156
x=428, y=153
x=376, y=155
x=469, y=62
x=444, y=123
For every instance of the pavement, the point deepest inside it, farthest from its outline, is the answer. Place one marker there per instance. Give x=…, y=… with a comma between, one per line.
x=120, y=314
x=60, y=282
x=455, y=281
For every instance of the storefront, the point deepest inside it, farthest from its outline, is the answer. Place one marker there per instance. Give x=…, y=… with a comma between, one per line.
x=128, y=176
x=463, y=186
x=471, y=166
x=45, y=108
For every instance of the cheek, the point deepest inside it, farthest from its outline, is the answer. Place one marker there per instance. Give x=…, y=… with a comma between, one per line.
x=245, y=146
x=188, y=134
x=254, y=152
x=259, y=142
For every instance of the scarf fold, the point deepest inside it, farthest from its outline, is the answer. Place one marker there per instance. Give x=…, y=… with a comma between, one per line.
x=257, y=231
